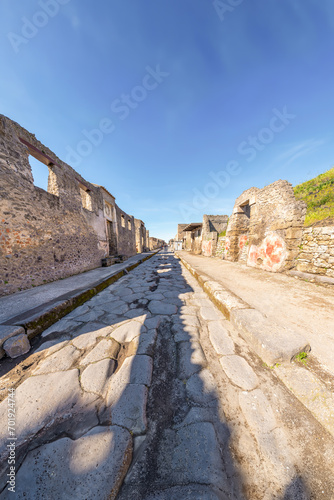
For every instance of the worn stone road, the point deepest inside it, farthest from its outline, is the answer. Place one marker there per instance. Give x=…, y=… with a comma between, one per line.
x=145, y=392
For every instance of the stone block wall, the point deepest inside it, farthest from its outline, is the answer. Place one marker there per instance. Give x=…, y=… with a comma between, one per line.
x=221, y=243
x=156, y=243
x=44, y=235
x=187, y=241
x=266, y=228
x=180, y=233
x=212, y=226
x=111, y=226
x=140, y=232
x=53, y=234
x=317, y=251
x=126, y=233
x=197, y=242
x=147, y=241
x=209, y=244
x=214, y=223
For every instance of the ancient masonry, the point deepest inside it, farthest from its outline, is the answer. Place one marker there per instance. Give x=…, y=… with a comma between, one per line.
x=213, y=226
x=266, y=230
x=202, y=237
x=68, y=229
x=155, y=243
x=316, y=254
x=266, y=227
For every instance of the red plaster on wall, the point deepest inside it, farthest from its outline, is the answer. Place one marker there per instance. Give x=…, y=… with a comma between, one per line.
x=270, y=255
x=207, y=248
x=242, y=241
x=227, y=248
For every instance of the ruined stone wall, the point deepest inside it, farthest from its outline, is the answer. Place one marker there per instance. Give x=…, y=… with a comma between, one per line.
x=140, y=232
x=221, y=247
x=196, y=245
x=212, y=226
x=317, y=251
x=126, y=233
x=155, y=243
x=266, y=227
x=44, y=235
x=109, y=212
x=147, y=242
x=187, y=241
x=47, y=235
x=180, y=233
x=214, y=223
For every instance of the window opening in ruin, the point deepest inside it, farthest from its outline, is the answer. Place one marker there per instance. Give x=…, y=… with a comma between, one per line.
x=86, y=198
x=246, y=209
x=40, y=173
x=123, y=220
x=129, y=225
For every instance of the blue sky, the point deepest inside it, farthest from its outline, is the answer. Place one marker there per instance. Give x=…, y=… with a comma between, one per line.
x=186, y=92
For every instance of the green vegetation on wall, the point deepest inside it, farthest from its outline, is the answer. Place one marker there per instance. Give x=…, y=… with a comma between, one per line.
x=318, y=194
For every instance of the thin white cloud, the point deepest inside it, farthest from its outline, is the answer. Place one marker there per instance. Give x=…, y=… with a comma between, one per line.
x=304, y=149
x=294, y=152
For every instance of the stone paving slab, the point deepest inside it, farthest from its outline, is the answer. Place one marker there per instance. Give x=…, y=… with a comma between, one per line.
x=192, y=359
x=61, y=360
x=128, y=331
x=239, y=372
x=126, y=407
x=192, y=455
x=88, y=417
x=94, y=378
x=189, y=492
x=201, y=387
x=106, y=348
x=93, y=466
x=38, y=308
x=220, y=339
x=49, y=399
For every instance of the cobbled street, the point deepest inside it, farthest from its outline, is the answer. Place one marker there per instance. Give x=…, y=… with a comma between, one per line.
x=147, y=392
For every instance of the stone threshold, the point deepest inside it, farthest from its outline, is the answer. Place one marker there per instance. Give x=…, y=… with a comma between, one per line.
x=17, y=331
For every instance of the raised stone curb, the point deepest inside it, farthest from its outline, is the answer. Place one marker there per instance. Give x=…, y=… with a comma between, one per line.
x=16, y=346
x=312, y=277
x=34, y=322
x=274, y=344
x=311, y=392
x=6, y=333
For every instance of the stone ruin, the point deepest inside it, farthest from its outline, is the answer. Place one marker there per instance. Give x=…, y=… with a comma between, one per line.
x=265, y=229
x=53, y=234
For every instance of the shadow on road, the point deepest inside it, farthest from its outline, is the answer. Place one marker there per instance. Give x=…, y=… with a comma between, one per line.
x=181, y=446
